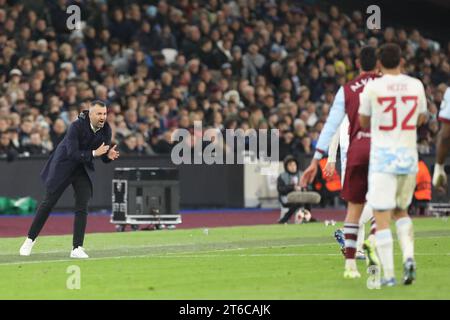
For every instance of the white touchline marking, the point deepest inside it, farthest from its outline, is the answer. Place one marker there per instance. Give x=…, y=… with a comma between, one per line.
x=274, y=255
x=190, y=244
x=216, y=243
x=126, y=247
x=168, y=255
x=186, y=253
x=260, y=247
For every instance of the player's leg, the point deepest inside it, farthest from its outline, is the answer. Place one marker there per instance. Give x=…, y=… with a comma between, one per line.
x=404, y=226
x=354, y=192
x=366, y=215
x=339, y=233
x=368, y=245
x=385, y=245
x=83, y=192
x=351, y=226
x=42, y=213
x=373, y=229
x=381, y=197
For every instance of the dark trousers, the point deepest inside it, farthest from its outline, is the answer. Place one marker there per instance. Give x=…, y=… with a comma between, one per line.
x=83, y=191
x=293, y=209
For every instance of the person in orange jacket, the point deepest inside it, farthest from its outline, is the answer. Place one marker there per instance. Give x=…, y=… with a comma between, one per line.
x=328, y=187
x=422, y=194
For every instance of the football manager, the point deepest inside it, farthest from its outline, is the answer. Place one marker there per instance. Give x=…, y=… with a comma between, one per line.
x=72, y=162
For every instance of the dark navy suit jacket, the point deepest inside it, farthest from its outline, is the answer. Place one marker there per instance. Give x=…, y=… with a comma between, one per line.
x=75, y=150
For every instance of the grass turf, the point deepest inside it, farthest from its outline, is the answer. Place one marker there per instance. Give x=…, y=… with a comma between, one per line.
x=258, y=262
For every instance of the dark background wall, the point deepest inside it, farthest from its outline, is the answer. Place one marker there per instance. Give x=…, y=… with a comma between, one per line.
x=201, y=186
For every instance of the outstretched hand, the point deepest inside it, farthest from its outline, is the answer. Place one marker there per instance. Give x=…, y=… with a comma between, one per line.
x=309, y=174
x=440, y=178
x=101, y=150
x=113, y=154
x=329, y=169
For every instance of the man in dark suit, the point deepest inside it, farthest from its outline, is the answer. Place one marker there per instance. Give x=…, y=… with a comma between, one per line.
x=72, y=162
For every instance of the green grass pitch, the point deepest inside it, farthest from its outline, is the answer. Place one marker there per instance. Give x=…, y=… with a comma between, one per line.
x=258, y=262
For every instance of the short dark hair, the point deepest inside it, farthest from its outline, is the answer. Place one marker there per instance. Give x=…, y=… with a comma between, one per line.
x=131, y=135
x=390, y=55
x=98, y=102
x=368, y=58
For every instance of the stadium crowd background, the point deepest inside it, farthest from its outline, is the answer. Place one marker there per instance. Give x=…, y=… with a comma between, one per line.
x=230, y=64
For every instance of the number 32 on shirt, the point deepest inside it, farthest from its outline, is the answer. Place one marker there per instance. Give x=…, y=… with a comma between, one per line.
x=393, y=106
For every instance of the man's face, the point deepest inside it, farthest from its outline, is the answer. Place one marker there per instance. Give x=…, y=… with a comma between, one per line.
x=59, y=126
x=27, y=126
x=36, y=139
x=131, y=143
x=4, y=140
x=97, y=114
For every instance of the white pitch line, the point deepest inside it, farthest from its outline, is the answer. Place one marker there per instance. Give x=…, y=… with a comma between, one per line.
x=261, y=247
x=131, y=248
x=201, y=256
x=226, y=249
x=279, y=255
x=168, y=255
x=194, y=244
x=187, y=253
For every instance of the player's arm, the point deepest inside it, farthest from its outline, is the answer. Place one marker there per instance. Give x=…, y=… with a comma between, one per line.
x=423, y=110
x=443, y=142
x=334, y=120
x=332, y=152
x=422, y=119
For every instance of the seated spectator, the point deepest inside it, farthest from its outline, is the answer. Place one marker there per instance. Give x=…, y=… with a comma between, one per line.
x=287, y=182
x=129, y=147
x=14, y=138
x=286, y=144
x=143, y=148
x=25, y=131
x=7, y=150
x=58, y=132
x=34, y=147
x=163, y=145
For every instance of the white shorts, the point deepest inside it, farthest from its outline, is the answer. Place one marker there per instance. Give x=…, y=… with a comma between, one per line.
x=390, y=191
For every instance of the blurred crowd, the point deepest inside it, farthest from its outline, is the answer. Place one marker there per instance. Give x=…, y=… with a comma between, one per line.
x=161, y=65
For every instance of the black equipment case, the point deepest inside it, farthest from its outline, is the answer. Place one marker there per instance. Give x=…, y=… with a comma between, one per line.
x=145, y=196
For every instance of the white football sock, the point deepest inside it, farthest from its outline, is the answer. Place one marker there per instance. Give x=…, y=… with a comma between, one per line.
x=371, y=239
x=366, y=214
x=385, y=249
x=350, y=264
x=405, y=237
